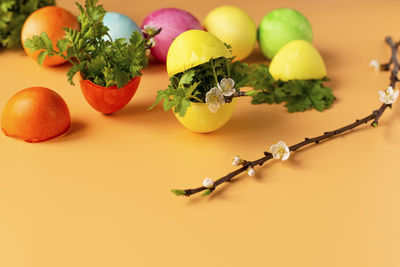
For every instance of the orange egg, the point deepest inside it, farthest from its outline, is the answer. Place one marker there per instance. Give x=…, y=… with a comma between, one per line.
x=52, y=20
x=35, y=114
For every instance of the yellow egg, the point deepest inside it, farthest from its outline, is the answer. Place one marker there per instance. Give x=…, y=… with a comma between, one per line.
x=297, y=60
x=235, y=27
x=200, y=119
x=193, y=48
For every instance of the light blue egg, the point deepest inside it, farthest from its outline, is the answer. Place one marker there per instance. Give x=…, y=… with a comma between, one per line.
x=120, y=26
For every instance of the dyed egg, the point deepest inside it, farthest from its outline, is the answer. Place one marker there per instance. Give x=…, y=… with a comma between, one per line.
x=235, y=27
x=281, y=26
x=188, y=50
x=193, y=48
x=200, y=119
x=173, y=22
x=35, y=114
x=119, y=25
x=51, y=20
x=297, y=60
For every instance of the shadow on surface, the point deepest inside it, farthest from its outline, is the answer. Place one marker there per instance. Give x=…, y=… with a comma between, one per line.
x=75, y=131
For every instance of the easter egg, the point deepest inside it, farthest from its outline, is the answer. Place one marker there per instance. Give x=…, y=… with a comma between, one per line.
x=193, y=48
x=235, y=27
x=35, y=114
x=119, y=25
x=297, y=60
x=188, y=50
x=51, y=20
x=281, y=26
x=200, y=119
x=173, y=22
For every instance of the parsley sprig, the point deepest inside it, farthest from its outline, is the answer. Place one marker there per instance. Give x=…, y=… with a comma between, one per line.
x=298, y=95
x=193, y=84
x=13, y=14
x=93, y=53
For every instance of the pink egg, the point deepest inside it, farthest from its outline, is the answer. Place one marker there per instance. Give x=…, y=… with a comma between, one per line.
x=173, y=22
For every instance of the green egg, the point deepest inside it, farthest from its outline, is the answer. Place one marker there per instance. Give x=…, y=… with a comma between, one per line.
x=281, y=26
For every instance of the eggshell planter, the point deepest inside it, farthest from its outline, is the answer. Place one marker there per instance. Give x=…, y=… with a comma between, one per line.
x=200, y=119
x=108, y=100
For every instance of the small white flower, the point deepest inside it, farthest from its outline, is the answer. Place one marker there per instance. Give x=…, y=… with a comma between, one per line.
x=236, y=161
x=374, y=64
x=280, y=151
x=388, y=96
x=208, y=183
x=250, y=171
x=214, y=99
x=227, y=86
x=151, y=42
x=149, y=29
x=148, y=52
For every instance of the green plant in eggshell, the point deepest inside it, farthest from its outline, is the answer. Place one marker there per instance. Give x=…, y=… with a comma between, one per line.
x=296, y=77
x=281, y=26
x=197, y=63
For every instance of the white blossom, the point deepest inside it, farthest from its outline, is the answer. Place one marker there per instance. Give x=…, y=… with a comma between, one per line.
x=388, y=96
x=250, y=171
x=214, y=99
x=227, y=86
x=208, y=183
x=149, y=29
x=236, y=161
x=151, y=42
x=374, y=64
x=280, y=151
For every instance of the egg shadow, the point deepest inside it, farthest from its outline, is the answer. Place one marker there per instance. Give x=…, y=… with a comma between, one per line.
x=139, y=113
x=256, y=57
x=75, y=131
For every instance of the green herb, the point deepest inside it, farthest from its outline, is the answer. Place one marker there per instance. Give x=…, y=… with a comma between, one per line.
x=13, y=14
x=193, y=84
x=298, y=95
x=93, y=53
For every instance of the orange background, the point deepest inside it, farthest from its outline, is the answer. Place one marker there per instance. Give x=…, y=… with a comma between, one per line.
x=100, y=196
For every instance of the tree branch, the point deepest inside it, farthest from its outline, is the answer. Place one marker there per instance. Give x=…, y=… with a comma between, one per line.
x=374, y=117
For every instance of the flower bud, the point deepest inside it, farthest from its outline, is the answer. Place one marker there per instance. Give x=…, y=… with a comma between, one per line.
x=208, y=183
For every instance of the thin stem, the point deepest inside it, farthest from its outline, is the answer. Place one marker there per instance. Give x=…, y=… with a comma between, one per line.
x=215, y=74
x=228, y=68
x=374, y=116
x=196, y=98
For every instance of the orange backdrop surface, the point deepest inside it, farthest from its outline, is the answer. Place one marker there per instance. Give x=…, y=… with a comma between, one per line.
x=100, y=195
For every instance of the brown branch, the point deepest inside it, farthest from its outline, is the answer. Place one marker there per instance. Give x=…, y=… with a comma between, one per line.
x=374, y=116
x=228, y=99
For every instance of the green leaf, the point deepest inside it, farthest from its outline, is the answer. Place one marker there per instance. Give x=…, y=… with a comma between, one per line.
x=206, y=193
x=187, y=78
x=178, y=192
x=62, y=45
x=42, y=57
x=183, y=105
x=29, y=43
x=160, y=96
x=13, y=14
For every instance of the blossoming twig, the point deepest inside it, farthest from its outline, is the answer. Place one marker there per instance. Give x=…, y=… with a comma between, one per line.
x=248, y=166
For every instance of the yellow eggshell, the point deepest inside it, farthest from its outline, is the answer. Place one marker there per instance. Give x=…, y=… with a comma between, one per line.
x=235, y=27
x=200, y=119
x=193, y=48
x=297, y=60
